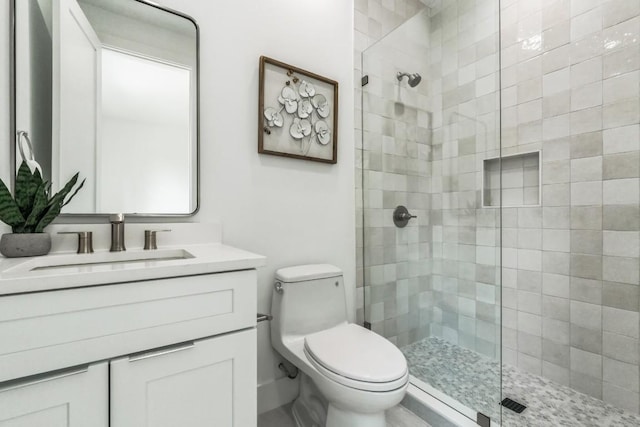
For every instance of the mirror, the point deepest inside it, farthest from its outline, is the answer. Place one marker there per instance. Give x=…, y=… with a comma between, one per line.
x=109, y=88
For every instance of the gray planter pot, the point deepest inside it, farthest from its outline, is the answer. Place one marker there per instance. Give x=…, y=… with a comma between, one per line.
x=14, y=245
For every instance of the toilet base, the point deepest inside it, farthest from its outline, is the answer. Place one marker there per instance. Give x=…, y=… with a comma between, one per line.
x=310, y=408
x=337, y=417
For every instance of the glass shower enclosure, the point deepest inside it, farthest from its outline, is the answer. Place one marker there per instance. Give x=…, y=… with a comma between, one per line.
x=430, y=144
x=500, y=216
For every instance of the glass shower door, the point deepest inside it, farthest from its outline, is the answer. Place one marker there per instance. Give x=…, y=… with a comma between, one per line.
x=430, y=144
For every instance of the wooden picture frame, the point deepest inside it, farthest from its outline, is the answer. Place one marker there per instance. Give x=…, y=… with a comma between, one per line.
x=297, y=113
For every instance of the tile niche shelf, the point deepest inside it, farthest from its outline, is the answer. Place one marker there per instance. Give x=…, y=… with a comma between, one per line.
x=521, y=178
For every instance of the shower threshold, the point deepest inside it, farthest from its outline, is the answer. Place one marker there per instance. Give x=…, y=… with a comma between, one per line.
x=456, y=383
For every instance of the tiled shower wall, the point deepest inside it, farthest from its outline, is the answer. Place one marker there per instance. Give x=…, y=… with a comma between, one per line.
x=463, y=98
x=571, y=291
x=396, y=161
x=423, y=147
x=387, y=254
x=571, y=294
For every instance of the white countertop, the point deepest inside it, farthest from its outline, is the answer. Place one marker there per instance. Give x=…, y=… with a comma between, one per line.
x=17, y=275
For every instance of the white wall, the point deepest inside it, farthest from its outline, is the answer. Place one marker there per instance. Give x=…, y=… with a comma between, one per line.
x=290, y=210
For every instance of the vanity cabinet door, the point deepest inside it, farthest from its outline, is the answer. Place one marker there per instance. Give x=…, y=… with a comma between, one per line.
x=211, y=382
x=73, y=398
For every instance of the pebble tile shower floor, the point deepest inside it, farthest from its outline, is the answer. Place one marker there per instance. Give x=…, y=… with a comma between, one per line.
x=474, y=380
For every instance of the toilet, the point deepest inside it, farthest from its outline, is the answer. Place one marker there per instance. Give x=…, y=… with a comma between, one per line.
x=349, y=375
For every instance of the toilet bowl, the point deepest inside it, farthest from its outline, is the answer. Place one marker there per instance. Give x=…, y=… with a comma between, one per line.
x=350, y=375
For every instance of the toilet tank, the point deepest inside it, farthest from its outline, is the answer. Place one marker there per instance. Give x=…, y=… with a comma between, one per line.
x=312, y=298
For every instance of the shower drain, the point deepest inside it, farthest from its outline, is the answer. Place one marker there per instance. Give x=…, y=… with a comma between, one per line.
x=513, y=405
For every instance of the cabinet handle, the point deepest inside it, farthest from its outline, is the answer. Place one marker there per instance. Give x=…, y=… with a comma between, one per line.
x=161, y=351
x=42, y=378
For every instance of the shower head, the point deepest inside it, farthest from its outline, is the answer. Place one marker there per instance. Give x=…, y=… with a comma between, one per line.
x=412, y=79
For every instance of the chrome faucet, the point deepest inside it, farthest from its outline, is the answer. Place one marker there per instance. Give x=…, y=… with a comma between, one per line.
x=117, y=233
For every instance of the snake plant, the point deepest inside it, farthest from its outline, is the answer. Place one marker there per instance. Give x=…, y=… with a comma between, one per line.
x=33, y=207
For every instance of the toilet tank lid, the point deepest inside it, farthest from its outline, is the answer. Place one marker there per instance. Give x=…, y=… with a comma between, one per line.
x=302, y=273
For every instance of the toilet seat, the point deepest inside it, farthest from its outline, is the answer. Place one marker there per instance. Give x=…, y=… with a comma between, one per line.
x=358, y=358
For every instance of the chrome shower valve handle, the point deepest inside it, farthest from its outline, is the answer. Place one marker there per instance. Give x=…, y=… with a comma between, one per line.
x=401, y=216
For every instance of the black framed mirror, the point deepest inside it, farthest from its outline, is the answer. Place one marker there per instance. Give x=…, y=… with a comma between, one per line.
x=109, y=88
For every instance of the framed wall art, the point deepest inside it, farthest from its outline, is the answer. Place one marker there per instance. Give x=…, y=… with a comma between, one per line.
x=297, y=113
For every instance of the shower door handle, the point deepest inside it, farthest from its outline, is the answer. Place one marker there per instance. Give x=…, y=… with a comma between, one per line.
x=401, y=216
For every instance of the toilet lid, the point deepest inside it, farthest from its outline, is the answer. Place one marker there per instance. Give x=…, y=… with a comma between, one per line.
x=355, y=352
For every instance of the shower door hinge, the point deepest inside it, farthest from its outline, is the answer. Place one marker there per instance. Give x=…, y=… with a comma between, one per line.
x=365, y=80
x=367, y=325
x=482, y=420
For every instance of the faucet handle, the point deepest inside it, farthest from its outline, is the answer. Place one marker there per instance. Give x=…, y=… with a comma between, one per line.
x=85, y=241
x=150, y=239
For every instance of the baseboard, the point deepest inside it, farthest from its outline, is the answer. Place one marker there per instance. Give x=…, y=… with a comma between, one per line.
x=276, y=393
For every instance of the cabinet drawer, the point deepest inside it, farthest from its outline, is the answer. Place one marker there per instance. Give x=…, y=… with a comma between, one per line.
x=51, y=330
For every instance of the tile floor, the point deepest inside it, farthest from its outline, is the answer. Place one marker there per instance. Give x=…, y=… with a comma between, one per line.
x=398, y=416
x=474, y=381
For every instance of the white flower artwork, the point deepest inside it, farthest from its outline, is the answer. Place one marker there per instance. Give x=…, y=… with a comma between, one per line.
x=297, y=113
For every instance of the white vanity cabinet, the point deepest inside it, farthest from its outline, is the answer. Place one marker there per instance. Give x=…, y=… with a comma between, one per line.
x=72, y=398
x=209, y=382
x=179, y=351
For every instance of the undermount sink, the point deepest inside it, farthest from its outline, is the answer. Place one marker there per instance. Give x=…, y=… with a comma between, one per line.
x=98, y=260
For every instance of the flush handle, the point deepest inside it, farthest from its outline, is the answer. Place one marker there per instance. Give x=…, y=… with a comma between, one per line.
x=278, y=287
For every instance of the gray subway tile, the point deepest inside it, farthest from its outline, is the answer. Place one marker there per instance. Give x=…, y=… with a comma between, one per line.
x=622, y=322
x=617, y=11
x=622, y=270
x=556, y=262
x=586, y=339
x=556, y=373
x=586, y=315
x=586, y=193
x=586, y=384
x=586, y=169
x=620, y=347
x=621, y=191
x=556, y=217
x=530, y=281
x=586, y=362
x=556, y=330
x=556, y=172
x=556, y=195
x=586, y=242
x=586, y=218
x=621, y=217
x=621, y=243
x=555, y=308
x=556, y=353
x=621, y=113
x=625, y=375
x=621, y=295
x=621, y=61
x=530, y=344
x=586, y=145
x=586, y=290
x=586, y=266
x=625, y=165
